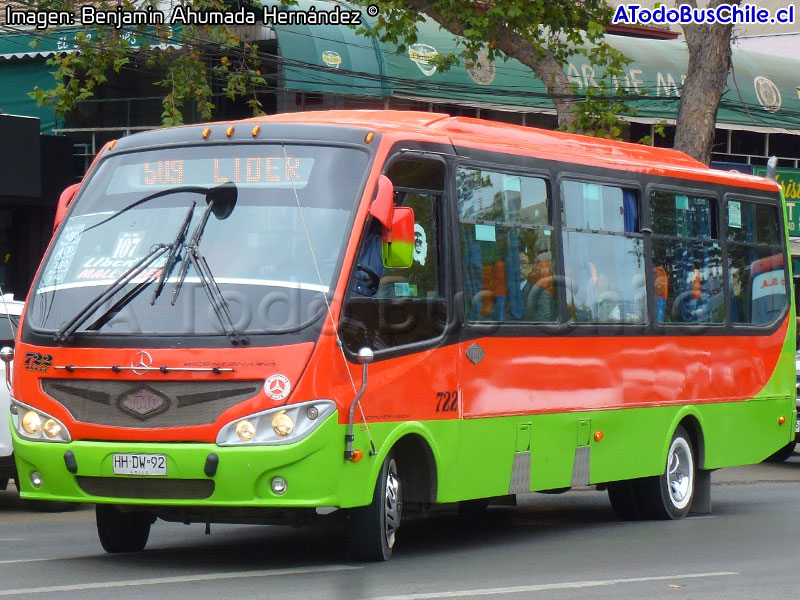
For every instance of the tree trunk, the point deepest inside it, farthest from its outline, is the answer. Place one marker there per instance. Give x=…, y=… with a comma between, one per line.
x=706, y=77
x=512, y=44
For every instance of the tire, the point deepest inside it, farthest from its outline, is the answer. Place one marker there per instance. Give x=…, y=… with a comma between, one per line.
x=624, y=498
x=122, y=531
x=373, y=528
x=669, y=495
x=783, y=454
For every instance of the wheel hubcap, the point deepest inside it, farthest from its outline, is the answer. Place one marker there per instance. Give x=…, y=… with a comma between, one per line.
x=680, y=471
x=391, y=506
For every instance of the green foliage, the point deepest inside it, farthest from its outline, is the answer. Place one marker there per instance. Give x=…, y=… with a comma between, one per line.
x=528, y=30
x=198, y=61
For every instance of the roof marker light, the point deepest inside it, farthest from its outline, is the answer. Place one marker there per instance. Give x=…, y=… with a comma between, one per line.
x=206, y=132
x=369, y=137
x=229, y=131
x=256, y=130
x=112, y=144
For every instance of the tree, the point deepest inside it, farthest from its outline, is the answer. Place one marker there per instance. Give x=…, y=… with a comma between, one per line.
x=706, y=76
x=204, y=54
x=541, y=34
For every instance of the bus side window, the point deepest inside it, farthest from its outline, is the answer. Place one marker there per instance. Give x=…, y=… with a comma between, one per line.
x=603, y=254
x=386, y=307
x=687, y=259
x=756, y=270
x=507, y=248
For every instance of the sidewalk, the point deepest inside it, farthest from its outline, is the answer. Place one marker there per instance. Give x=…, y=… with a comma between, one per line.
x=766, y=471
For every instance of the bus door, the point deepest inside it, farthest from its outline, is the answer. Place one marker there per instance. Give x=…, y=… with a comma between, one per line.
x=401, y=313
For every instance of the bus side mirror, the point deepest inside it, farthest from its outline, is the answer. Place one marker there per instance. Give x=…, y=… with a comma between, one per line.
x=382, y=207
x=66, y=198
x=398, y=242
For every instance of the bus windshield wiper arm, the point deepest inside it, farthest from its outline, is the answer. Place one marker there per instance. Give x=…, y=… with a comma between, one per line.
x=221, y=201
x=187, y=189
x=225, y=203
x=165, y=271
x=172, y=257
x=64, y=334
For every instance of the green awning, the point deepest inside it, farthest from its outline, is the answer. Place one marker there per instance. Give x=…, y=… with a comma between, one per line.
x=329, y=59
x=17, y=78
x=762, y=92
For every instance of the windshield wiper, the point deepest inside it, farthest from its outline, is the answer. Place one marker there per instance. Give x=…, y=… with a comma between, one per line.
x=219, y=195
x=187, y=189
x=165, y=271
x=64, y=334
x=221, y=201
x=172, y=258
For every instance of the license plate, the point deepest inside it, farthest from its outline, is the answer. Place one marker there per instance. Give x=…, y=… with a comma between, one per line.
x=140, y=464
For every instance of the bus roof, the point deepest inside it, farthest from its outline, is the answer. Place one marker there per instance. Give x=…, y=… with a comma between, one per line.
x=518, y=139
x=464, y=132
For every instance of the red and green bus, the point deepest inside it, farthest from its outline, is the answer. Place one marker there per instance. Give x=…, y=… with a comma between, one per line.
x=372, y=314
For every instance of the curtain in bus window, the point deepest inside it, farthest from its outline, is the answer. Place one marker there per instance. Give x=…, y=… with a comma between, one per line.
x=631, y=210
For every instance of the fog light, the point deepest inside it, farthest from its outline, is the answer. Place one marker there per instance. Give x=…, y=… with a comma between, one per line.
x=51, y=428
x=245, y=430
x=36, y=480
x=312, y=413
x=31, y=422
x=282, y=424
x=279, y=485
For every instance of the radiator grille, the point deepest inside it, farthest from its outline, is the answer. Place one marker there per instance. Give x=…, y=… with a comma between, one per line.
x=147, y=489
x=148, y=405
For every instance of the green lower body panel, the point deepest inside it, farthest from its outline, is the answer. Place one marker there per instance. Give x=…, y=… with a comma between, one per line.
x=455, y=459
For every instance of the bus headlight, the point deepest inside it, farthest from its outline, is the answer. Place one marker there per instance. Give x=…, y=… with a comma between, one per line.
x=282, y=425
x=245, y=430
x=33, y=424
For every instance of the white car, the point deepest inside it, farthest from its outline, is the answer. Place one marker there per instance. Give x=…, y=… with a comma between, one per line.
x=10, y=311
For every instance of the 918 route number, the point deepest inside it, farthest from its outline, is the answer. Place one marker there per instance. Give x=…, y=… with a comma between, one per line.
x=447, y=401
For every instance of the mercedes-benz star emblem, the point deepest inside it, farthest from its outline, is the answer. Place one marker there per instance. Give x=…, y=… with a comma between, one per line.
x=142, y=362
x=277, y=387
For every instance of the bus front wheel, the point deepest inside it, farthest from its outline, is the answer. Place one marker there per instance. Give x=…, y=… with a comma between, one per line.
x=373, y=528
x=122, y=531
x=669, y=495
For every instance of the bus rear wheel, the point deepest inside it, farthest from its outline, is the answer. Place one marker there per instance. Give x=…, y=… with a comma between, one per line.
x=669, y=495
x=122, y=531
x=373, y=528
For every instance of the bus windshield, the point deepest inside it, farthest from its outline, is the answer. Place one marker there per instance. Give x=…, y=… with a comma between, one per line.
x=272, y=254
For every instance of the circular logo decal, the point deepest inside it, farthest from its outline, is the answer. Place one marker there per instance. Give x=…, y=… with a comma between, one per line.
x=768, y=94
x=332, y=59
x=423, y=55
x=277, y=387
x=482, y=71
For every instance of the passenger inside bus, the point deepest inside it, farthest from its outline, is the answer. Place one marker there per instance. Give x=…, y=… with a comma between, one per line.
x=538, y=296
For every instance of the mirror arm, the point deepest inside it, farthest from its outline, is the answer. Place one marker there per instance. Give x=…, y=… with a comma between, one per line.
x=365, y=357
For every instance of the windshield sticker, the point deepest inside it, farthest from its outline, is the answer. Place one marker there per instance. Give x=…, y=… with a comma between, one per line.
x=277, y=387
x=420, y=244
x=735, y=214
x=63, y=254
x=485, y=233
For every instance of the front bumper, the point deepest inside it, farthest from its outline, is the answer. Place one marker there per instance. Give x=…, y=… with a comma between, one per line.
x=311, y=468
